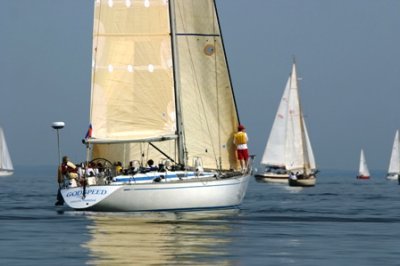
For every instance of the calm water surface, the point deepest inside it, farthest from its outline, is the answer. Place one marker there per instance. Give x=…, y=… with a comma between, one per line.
x=341, y=221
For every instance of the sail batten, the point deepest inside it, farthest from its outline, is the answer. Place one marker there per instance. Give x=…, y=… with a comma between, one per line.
x=108, y=141
x=198, y=34
x=129, y=34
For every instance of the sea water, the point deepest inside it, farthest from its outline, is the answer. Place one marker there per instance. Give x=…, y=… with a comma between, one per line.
x=340, y=221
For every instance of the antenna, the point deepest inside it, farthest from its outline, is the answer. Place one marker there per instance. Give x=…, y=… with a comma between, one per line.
x=57, y=126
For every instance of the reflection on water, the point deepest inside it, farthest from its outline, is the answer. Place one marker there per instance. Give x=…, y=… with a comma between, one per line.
x=200, y=238
x=293, y=189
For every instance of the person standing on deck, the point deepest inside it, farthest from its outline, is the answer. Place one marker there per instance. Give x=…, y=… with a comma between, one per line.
x=240, y=139
x=67, y=175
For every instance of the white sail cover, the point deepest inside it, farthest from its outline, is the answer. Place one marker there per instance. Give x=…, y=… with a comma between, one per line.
x=275, y=150
x=5, y=159
x=137, y=73
x=363, y=170
x=394, y=165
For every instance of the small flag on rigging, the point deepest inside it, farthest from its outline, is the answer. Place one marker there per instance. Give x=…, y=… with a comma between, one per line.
x=89, y=132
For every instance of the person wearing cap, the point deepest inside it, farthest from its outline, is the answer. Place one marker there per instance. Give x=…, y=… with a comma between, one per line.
x=240, y=139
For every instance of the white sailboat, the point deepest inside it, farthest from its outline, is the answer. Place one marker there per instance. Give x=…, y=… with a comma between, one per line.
x=363, y=172
x=274, y=158
x=394, y=165
x=6, y=166
x=161, y=90
x=289, y=148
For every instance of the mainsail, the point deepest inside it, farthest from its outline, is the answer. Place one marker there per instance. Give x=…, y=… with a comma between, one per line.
x=275, y=150
x=363, y=169
x=5, y=159
x=394, y=165
x=160, y=77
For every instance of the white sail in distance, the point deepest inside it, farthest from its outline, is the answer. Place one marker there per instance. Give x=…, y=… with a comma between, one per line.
x=394, y=165
x=363, y=169
x=6, y=164
x=275, y=150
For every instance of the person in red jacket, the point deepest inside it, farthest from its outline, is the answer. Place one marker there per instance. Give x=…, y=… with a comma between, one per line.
x=240, y=139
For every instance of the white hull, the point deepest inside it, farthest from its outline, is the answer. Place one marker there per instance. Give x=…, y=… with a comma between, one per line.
x=270, y=177
x=306, y=182
x=180, y=195
x=392, y=176
x=6, y=173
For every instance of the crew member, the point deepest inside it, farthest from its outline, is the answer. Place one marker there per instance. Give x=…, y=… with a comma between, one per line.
x=240, y=139
x=69, y=170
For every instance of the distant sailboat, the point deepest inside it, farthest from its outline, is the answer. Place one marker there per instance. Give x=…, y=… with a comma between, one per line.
x=289, y=148
x=394, y=165
x=6, y=166
x=274, y=154
x=363, y=172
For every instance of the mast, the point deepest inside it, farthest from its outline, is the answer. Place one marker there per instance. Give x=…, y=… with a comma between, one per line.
x=182, y=157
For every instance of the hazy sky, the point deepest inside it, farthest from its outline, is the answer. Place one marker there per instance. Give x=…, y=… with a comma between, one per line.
x=347, y=53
